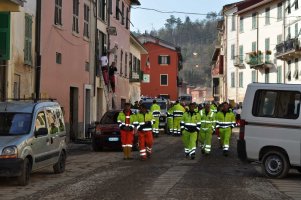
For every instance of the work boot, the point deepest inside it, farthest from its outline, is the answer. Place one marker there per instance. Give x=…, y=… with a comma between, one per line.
x=130, y=153
x=192, y=156
x=125, y=153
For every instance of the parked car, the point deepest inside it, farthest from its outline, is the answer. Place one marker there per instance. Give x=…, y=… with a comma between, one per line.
x=270, y=128
x=32, y=136
x=107, y=134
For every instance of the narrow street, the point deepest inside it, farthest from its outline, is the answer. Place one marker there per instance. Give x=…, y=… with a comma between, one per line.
x=167, y=175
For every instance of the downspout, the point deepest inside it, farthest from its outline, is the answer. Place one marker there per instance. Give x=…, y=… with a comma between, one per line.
x=226, y=63
x=237, y=50
x=38, y=50
x=284, y=24
x=96, y=52
x=257, y=42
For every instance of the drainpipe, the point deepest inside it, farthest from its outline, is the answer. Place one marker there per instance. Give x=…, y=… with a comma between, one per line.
x=225, y=62
x=38, y=50
x=284, y=24
x=96, y=50
x=257, y=41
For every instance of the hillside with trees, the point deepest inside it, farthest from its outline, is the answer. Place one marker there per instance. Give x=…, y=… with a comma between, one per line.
x=197, y=40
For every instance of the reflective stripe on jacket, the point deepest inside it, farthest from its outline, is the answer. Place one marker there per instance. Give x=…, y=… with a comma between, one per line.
x=178, y=110
x=191, y=122
x=141, y=119
x=121, y=119
x=207, y=121
x=225, y=120
x=156, y=110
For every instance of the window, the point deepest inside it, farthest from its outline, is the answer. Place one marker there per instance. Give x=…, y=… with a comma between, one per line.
x=254, y=77
x=122, y=14
x=232, y=79
x=164, y=60
x=267, y=75
x=121, y=62
x=233, y=22
x=102, y=43
x=279, y=74
x=289, y=7
x=40, y=121
x=163, y=79
x=267, y=16
x=289, y=32
x=241, y=54
x=58, y=12
x=102, y=9
x=28, y=40
x=126, y=64
x=279, y=39
x=279, y=11
x=296, y=73
x=75, y=16
x=127, y=18
x=5, y=35
x=296, y=4
x=58, y=58
x=289, y=72
x=276, y=104
x=296, y=30
x=232, y=51
x=240, y=77
x=254, y=21
x=117, y=10
x=254, y=48
x=86, y=20
x=241, y=24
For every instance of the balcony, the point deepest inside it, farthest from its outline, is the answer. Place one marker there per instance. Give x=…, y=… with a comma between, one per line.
x=288, y=50
x=238, y=61
x=136, y=76
x=259, y=60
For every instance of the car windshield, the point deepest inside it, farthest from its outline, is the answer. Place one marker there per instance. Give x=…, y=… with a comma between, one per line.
x=15, y=123
x=161, y=104
x=109, y=118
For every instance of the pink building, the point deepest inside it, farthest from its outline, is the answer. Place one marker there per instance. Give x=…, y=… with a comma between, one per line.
x=119, y=48
x=65, y=38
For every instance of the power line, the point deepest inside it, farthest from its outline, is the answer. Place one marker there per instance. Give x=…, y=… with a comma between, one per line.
x=175, y=12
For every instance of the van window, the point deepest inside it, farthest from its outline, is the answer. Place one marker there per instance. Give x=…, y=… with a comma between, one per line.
x=277, y=104
x=40, y=121
x=55, y=120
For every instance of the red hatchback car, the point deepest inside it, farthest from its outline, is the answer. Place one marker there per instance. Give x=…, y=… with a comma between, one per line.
x=107, y=134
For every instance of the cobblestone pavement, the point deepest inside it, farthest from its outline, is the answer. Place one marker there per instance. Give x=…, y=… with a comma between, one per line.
x=167, y=175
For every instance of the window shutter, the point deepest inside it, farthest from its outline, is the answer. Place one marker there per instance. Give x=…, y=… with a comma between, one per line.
x=28, y=40
x=159, y=60
x=4, y=36
x=168, y=59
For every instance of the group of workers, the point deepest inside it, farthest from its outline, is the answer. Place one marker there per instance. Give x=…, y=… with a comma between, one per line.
x=195, y=125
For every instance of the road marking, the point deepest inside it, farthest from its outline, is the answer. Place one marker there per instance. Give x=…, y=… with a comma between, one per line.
x=166, y=181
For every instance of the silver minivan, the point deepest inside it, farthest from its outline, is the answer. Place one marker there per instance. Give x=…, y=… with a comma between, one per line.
x=32, y=136
x=270, y=130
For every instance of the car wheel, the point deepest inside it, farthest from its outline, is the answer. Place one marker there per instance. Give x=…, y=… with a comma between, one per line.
x=25, y=174
x=60, y=166
x=275, y=164
x=95, y=145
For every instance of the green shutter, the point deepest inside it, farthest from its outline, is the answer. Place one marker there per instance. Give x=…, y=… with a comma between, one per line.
x=168, y=60
x=4, y=36
x=253, y=46
x=241, y=54
x=267, y=44
x=159, y=60
x=28, y=40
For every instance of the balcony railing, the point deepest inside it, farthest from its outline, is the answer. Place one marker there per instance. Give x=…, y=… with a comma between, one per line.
x=259, y=60
x=238, y=61
x=288, y=50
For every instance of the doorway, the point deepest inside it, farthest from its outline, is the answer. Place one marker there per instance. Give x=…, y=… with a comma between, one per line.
x=87, y=111
x=73, y=115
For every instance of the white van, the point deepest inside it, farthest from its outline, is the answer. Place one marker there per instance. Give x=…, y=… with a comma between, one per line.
x=32, y=136
x=270, y=130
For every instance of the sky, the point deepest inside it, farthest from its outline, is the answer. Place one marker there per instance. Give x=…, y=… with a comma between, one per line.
x=143, y=20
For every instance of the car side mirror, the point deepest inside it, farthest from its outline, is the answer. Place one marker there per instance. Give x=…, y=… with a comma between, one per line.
x=41, y=132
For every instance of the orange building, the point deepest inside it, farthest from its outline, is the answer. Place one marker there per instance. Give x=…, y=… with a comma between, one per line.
x=160, y=68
